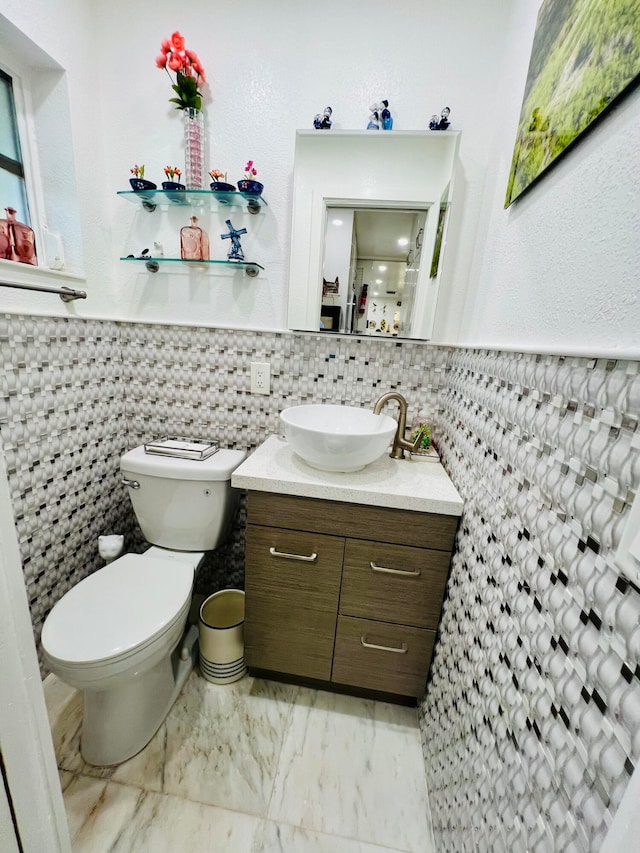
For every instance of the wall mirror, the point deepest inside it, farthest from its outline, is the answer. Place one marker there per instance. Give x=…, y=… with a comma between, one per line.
x=370, y=211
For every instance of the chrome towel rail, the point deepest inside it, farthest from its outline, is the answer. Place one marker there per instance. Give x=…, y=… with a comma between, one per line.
x=67, y=294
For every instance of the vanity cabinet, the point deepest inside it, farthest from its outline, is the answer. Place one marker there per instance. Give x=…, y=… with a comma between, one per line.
x=344, y=593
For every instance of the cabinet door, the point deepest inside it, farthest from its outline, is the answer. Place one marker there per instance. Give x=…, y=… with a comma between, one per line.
x=379, y=656
x=393, y=583
x=292, y=586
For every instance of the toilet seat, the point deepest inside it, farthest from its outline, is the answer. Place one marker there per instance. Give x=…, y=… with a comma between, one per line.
x=118, y=611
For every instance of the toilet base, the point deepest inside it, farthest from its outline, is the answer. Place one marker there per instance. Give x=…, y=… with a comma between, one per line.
x=119, y=722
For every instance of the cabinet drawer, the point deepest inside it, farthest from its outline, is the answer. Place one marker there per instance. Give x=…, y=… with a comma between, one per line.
x=291, y=604
x=383, y=524
x=393, y=583
x=403, y=671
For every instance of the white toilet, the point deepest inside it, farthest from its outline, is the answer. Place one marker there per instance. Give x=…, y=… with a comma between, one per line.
x=117, y=634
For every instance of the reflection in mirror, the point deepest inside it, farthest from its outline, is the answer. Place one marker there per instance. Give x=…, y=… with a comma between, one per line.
x=371, y=263
x=382, y=188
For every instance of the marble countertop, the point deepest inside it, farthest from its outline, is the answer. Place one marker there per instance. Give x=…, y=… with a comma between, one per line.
x=401, y=483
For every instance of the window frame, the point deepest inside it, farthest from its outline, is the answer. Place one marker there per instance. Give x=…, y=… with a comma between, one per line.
x=15, y=167
x=28, y=152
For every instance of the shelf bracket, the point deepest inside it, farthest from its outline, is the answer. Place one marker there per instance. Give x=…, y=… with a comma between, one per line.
x=149, y=206
x=152, y=266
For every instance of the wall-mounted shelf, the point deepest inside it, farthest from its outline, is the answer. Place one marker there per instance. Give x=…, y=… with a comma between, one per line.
x=150, y=199
x=153, y=264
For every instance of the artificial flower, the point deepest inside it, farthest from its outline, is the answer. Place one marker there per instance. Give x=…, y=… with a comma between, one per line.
x=249, y=171
x=188, y=69
x=217, y=175
x=171, y=171
x=138, y=171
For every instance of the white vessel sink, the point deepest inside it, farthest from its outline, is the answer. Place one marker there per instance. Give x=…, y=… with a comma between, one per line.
x=337, y=438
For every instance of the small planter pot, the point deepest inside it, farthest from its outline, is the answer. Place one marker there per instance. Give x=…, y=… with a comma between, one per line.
x=172, y=185
x=140, y=185
x=250, y=187
x=222, y=187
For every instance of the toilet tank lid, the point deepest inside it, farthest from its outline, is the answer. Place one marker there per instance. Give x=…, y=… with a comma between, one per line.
x=220, y=466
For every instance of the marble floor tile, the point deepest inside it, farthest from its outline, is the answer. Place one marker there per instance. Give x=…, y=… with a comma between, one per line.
x=353, y=768
x=96, y=815
x=223, y=742
x=251, y=767
x=281, y=838
x=107, y=816
x=66, y=779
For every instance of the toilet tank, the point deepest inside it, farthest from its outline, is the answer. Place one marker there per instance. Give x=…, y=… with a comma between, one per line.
x=183, y=504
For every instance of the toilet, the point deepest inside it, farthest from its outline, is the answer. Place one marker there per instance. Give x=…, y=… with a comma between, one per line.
x=119, y=634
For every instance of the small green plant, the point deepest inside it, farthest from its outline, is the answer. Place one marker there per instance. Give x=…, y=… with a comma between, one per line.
x=422, y=431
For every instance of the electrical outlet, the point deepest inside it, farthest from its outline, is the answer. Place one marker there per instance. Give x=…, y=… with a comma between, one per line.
x=260, y=377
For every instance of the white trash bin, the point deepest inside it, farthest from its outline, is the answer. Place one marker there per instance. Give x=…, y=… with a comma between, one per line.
x=221, y=628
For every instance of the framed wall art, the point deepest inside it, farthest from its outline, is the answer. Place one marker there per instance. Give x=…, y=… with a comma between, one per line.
x=585, y=54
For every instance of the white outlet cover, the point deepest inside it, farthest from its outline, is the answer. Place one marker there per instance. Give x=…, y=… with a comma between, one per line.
x=260, y=377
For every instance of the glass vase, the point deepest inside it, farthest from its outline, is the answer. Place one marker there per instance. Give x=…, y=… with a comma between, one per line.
x=193, y=148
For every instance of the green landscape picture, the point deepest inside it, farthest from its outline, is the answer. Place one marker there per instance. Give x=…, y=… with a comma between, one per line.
x=585, y=53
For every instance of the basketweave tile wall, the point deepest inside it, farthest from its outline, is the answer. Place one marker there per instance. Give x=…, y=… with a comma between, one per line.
x=531, y=725
x=77, y=393
x=62, y=433
x=532, y=720
x=195, y=381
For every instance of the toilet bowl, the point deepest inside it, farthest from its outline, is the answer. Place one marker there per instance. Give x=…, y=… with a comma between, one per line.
x=117, y=634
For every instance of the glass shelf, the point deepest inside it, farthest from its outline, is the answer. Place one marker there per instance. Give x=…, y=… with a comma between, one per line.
x=153, y=264
x=150, y=199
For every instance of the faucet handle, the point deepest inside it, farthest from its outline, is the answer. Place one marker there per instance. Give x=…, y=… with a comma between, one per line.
x=416, y=444
x=412, y=447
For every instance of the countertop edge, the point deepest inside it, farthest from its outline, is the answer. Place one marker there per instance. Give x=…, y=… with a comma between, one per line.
x=323, y=492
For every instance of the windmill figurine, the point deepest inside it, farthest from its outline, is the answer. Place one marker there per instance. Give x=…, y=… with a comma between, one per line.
x=235, y=252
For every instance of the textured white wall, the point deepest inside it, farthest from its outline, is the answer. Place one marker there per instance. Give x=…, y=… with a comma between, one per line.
x=558, y=270
x=555, y=271
x=271, y=66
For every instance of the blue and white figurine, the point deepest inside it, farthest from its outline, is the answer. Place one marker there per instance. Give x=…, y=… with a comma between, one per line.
x=442, y=122
x=374, y=118
x=323, y=120
x=385, y=116
x=380, y=118
x=235, y=250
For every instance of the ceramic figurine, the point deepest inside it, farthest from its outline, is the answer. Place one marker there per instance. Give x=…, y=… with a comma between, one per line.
x=374, y=118
x=235, y=250
x=17, y=240
x=380, y=117
x=194, y=242
x=441, y=123
x=385, y=116
x=323, y=120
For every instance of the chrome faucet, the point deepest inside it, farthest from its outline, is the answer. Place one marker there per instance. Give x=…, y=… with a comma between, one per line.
x=400, y=444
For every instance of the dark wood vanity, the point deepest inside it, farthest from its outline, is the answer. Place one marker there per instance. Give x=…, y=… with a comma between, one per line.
x=344, y=593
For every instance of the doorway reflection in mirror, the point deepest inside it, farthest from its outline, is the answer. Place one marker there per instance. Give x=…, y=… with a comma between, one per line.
x=376, y=251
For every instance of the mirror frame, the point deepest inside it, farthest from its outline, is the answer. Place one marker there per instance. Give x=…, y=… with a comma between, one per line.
x=366, y=168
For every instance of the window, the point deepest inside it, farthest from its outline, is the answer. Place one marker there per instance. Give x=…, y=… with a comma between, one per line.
x=12, y=184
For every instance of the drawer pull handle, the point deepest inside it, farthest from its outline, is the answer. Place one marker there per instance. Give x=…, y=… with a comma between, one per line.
x=401, y=651
x=413, y=574
x=302, y=557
